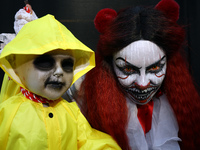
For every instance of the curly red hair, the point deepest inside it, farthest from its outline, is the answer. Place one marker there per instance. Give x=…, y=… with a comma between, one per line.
x=104, y=104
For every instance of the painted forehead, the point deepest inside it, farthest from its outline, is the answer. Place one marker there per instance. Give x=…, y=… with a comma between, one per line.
x=141, y=53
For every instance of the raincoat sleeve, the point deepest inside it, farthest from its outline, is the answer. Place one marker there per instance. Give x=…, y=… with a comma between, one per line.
x=8, y=89
x=89, y=138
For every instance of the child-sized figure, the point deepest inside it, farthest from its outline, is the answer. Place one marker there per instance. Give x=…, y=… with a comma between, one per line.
x=45, y=59
x=142, y=92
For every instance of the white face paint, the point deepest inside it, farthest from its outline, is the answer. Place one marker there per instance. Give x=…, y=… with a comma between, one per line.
x=48, y=75
x=140, y=68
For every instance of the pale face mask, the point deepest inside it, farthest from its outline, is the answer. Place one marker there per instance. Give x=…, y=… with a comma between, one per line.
x=48, y=75
x=140, y=68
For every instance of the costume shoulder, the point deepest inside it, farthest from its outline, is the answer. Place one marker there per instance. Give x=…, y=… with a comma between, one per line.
x=8, y=89
x=8, y=110
x=12, y=101
x=71, y=107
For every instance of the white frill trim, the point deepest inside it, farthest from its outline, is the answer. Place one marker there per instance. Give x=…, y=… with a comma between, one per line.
x=164, y=132
x=21, y=18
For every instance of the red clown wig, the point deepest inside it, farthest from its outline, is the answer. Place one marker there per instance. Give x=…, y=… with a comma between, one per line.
x=104, y=103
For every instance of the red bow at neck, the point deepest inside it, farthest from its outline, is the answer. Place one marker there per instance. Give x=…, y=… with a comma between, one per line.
x=145, y=115
x=34, y=97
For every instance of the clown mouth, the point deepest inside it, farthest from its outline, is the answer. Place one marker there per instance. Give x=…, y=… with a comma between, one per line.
x=141, y=95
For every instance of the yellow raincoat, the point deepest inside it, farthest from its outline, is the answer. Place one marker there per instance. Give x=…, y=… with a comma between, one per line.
x=8, y=88
x=27, y=125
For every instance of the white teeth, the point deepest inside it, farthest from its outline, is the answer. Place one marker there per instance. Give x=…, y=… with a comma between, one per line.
x=142, y=91
x=141, y=94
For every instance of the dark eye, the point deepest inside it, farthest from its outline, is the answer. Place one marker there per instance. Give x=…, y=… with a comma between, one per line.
x=156, y=68
x=44, y=62
x=128, y=70
x=68, y=64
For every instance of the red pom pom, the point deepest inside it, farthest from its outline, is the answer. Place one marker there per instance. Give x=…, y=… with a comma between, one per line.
x=170, y=9
x=27, y=9
x=103, y=18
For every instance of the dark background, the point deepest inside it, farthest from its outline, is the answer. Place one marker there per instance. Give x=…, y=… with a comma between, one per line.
x=78, y=15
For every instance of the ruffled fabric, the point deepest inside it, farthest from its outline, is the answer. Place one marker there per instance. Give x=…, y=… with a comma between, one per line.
x=22, y=18
x=164, y=131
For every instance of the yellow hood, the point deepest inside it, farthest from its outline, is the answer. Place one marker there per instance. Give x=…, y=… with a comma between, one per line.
x=41, y=36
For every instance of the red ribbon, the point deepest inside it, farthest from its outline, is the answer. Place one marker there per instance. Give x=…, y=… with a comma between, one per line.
x=34, y=97
x=145, y=115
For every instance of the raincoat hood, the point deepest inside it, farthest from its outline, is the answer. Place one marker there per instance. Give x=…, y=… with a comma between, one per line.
x=44, y=35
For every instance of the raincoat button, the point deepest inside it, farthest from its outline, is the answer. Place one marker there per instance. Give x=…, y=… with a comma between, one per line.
x=51, y=115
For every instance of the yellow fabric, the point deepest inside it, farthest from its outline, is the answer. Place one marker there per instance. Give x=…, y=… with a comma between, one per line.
x=25, y=125
x=41, y=36
x=8, y=88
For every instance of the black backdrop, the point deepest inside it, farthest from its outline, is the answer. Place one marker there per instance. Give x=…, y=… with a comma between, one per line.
x=78, y=15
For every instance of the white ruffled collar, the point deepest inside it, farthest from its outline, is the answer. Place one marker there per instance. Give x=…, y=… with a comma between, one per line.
x=164, y=131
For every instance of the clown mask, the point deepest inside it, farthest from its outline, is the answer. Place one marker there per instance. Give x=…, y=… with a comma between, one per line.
x=140, y=68
x=48, y=75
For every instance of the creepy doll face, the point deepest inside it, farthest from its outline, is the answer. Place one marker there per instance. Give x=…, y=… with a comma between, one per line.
x=48, y=75
x=140, y=68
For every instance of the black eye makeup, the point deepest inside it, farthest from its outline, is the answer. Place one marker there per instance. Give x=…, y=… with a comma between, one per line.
x=44, y=62
x=67, y=64
x=47, y=62
x=126, y=67
x=156, y=67
x=128, y=70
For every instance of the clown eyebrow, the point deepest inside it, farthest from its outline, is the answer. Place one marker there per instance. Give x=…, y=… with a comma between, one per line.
x=129, y=64
x=155, y=64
